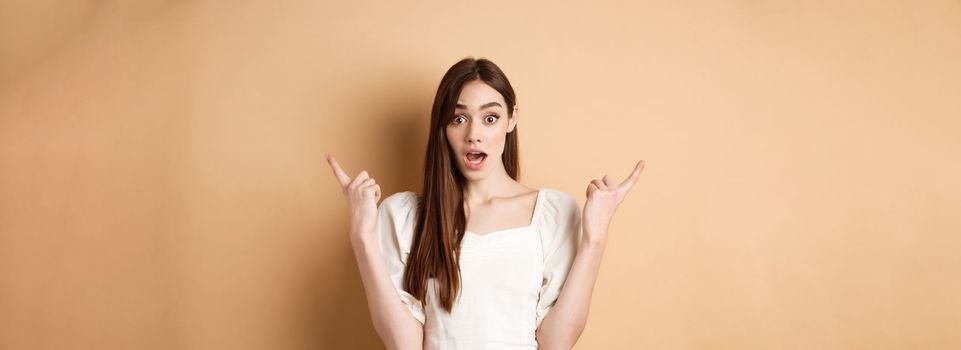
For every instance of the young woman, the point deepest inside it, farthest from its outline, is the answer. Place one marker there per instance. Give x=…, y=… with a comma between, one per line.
x=478, y=260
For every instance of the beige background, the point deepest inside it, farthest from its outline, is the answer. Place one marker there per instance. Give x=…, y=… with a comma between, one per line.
x=162, y=183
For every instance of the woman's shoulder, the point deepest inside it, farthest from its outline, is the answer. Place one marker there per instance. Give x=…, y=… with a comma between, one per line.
x=559, y=218
x=557, y=199
x=401, y=197
x=402, y=201
x=397, y=214
x=557, y=210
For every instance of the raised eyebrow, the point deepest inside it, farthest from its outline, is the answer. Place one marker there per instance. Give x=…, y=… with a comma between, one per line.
x=484, y=106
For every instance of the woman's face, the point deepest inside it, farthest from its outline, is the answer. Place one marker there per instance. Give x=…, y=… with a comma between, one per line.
x=478, y=131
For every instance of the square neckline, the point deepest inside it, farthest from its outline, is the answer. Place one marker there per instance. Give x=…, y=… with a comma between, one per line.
x=537, y=209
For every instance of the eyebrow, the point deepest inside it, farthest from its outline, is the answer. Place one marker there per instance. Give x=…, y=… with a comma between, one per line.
x=486, y=105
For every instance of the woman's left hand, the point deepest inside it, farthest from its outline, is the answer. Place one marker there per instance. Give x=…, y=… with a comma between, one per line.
x=603, y=197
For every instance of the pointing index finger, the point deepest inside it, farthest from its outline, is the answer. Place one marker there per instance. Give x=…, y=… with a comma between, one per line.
x=338, y=172
x=634, y=175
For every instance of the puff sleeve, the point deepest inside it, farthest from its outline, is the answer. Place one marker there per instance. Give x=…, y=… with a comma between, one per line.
x=560, y=231
x=395, y=230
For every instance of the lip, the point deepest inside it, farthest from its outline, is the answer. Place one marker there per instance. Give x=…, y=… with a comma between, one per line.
x=475, y=166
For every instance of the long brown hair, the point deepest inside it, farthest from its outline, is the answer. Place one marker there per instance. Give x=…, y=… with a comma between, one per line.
x=441, y=220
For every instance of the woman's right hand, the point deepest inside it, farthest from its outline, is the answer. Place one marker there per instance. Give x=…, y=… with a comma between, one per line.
x=362, y=194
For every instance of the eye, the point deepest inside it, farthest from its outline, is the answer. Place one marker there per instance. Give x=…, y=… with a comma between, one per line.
x=491, y=119
x=458, y=120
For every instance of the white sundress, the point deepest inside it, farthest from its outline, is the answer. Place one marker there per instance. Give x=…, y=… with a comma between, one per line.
x=510, y=278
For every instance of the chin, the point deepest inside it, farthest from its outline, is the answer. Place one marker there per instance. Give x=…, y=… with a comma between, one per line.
x=474, y=175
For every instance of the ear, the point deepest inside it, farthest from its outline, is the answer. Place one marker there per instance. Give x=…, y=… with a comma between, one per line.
x=512, y=122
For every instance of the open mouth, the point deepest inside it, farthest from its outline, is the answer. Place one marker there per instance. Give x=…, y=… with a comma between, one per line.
x=475, y=160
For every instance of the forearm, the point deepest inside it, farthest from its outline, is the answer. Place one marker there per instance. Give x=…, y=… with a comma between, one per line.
x=563, y=325
x=392, y=321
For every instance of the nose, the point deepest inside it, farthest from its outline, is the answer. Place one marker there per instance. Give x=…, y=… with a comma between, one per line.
x=473, y=133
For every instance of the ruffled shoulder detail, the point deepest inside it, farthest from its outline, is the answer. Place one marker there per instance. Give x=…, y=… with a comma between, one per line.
x=396, y=218
x=400, y=206
x=559, y=226
x=554, y=213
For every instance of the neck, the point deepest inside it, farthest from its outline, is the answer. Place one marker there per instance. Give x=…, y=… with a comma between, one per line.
x=497, y=184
